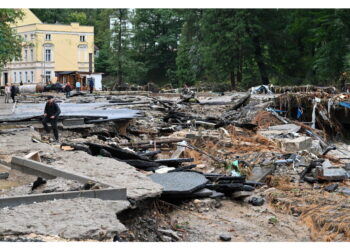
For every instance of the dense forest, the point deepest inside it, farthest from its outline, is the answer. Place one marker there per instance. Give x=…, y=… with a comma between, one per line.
x=237, y=47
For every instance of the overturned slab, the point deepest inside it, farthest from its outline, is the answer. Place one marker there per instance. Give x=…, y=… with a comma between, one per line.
x=73, y=219
x=40, y=169
x=103, y=194
x=180, y=184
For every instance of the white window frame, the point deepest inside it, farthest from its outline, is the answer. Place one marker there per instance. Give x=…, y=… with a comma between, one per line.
x=26, y=55
x=47, y=76
x=20, y=76
x=32, y=36
x=15, y=77
x=48, y=56
x=48, y=37
x=82, y=38
x=32, y=76
x=26, y=76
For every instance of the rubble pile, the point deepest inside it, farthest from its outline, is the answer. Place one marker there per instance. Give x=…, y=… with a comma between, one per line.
x=270, y=147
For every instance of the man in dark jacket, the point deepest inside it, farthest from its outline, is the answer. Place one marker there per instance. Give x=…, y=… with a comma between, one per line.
x=13, y=92
x=51, y=113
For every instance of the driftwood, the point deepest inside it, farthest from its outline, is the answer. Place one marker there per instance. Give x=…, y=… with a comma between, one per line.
x=240, y=102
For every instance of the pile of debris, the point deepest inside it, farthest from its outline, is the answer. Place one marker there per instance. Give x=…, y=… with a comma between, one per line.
x=121, y=151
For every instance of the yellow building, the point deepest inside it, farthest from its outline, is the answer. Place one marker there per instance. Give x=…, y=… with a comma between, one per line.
x=49, y=48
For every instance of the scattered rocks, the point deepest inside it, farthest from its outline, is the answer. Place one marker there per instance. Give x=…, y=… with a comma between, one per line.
x=256, y=201
x=169, y=233
x=225, y=237
x=331, y=188
x=4, y=176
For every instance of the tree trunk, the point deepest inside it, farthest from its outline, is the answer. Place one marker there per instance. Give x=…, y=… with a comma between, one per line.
x=239, y=67
x=260, y=61
x=120, y=77
x=233, y=80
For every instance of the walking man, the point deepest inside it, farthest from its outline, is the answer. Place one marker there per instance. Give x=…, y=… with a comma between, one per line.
x=51, y=113
x=68, y=89
x=7, y=93
x=91, y=85
x=13, y=92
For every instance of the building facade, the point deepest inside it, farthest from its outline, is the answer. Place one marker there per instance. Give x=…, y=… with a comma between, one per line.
x=49, y=48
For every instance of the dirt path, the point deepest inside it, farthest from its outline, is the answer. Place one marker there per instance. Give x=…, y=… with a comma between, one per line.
x=241, y=221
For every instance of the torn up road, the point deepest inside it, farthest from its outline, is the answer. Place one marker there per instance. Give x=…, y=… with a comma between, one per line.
x=211, y=169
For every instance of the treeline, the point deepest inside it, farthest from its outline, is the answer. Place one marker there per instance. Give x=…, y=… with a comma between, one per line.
x=241, y=47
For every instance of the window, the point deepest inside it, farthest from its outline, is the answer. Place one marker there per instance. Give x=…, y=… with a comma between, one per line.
x=48, y=37
x=32, y=76
x=25, y=37
x=32, y=36
x=47, y=55
x=82, y=38
x=26, y=76
x=25, y=55
x=15, y=77
x=20, y=76
x=32, y=55
x=47, y=76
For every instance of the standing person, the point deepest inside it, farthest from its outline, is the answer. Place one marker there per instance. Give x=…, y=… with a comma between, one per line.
x=7, y=93
x=13, y=92
x=68, y=89
x=91, y=85
x=51, y=113
x=77, y=85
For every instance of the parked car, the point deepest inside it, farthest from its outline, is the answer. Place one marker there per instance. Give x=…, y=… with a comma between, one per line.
x=58, y=87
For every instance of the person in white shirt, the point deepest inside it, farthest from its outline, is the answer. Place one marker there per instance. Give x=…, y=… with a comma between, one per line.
x=7, y=93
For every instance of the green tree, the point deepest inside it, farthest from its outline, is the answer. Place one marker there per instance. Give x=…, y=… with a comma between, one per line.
x=155, y=43
x=10, y=42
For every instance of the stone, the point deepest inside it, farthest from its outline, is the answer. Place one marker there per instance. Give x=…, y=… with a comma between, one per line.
x=257, y=201
x=331, y=188
x=344, y=190
x=169, y=233
x=4, y=176
x=180, y=183
x=225, y=237
x=296, y=144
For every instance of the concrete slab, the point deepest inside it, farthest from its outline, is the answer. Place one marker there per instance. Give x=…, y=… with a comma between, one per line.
x=103, y=194
x=180, y=183
x=286, y=128
x=295, y=145
x=73, y=219
x=100, y=169
x=45, y=171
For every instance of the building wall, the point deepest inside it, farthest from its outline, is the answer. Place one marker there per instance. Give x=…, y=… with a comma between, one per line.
x=68, y=52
